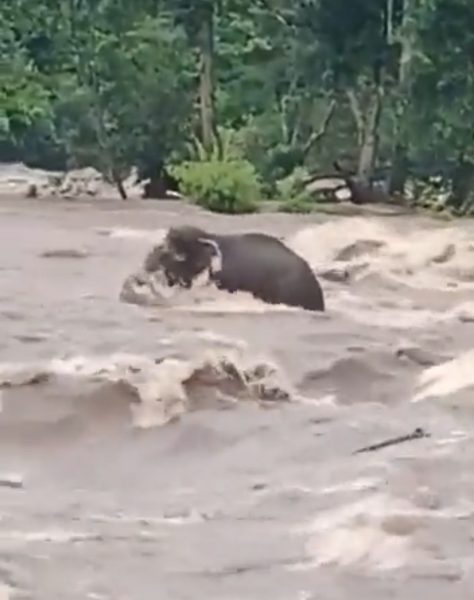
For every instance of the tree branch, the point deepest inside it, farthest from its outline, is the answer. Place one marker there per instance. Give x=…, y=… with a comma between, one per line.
x=281, y=101
x=287, y=98
x=317, y=135
x=357, y=113
x=374, y=114
x=296, y=127
x=370, y=135
x=277, y=14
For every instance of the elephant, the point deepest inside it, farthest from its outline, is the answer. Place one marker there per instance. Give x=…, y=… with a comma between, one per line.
x=251, y=262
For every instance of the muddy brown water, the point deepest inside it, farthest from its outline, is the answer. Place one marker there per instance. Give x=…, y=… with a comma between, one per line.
x=237, y=499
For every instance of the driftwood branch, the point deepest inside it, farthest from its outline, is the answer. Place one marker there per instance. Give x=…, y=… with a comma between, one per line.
x=419, y=433
x=317, y=135
x=314, y=177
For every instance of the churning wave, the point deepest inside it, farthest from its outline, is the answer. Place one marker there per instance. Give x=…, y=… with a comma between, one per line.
x=162, y=389
x=420, y=258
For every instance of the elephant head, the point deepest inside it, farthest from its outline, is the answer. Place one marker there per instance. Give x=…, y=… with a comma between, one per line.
x=185, y=254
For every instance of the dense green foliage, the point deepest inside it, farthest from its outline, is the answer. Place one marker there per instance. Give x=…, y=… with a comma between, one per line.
x=268, y=87
x=228, y=186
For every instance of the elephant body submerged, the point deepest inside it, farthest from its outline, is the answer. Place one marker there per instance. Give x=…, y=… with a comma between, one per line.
x=251, y=262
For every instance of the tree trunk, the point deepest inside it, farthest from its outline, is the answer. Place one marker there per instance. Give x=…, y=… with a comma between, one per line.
x=462, y=185
x=369, y=137
x=119, y=184
x=316, y=136
x=399, y=171
x=206, y=82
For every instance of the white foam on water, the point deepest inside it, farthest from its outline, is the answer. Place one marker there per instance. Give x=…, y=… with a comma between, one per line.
x=376, y=533
x=462, y=312
x=155, y=236
x=164, y=389
x=319, y=244
x=447, y=378
x=202, y=297
x=6, y=592
x=218, y=301
x=420, y=258
x=374, y=314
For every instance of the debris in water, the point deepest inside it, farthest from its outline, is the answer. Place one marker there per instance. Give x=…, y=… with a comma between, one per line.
x=65, y=253
x=336, y=275
x=420, y=356
x=11, y=481
x=10, y=380
x=416, y=435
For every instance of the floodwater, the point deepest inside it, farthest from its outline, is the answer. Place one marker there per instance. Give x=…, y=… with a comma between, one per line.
x=207, y=449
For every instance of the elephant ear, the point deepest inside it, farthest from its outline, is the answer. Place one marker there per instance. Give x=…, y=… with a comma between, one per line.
x=215, y=254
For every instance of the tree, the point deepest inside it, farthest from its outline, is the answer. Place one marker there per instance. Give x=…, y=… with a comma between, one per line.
x=198, y=19
x=25, y=100
x=285, y=84
x=443, y=94
x=133, y=101
x=353, y=39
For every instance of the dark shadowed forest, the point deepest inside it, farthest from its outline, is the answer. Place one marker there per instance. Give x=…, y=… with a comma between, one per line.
x=234, y=101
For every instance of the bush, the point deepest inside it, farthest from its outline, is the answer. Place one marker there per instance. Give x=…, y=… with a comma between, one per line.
x=291, y=190
x=230, y=186
x=293, y=185
x=297, y=204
